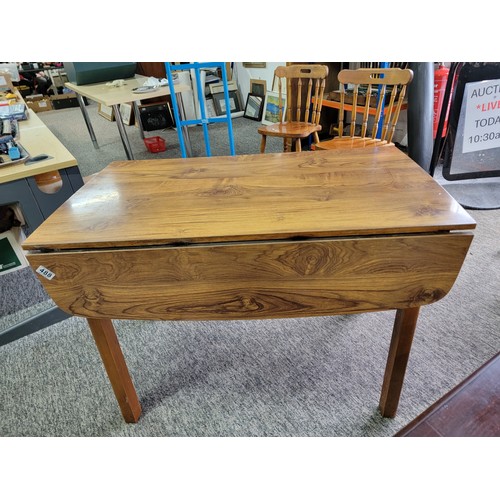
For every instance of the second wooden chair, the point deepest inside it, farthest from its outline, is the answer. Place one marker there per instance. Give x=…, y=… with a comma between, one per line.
x=305, y=84
x=377, y=93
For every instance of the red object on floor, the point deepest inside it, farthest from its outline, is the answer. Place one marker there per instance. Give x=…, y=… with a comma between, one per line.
x=155, y=144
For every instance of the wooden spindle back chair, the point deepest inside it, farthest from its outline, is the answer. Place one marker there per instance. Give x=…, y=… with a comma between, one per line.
x=390, y=84
x=301, y=86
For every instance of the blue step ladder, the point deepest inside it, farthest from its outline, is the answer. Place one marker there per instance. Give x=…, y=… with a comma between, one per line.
x=204, y=121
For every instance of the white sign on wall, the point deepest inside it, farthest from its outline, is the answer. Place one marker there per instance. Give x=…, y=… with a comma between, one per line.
x=482, y=116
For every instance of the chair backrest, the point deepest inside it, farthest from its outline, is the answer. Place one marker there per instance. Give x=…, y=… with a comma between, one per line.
x=303, y=82
x=390, y=86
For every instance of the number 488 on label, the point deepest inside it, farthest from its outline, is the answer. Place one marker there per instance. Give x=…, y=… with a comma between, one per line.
x=45, y=272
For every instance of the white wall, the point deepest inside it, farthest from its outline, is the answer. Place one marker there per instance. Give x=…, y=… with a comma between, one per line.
x=242, y=76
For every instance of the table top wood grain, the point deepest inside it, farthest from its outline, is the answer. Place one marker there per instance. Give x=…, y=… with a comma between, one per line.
x=372, y=191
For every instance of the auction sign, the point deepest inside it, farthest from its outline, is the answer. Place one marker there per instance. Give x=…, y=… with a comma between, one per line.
x=482, y=116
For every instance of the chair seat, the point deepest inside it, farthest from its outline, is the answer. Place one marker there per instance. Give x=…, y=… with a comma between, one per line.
x=350, y=143
x=295, y=130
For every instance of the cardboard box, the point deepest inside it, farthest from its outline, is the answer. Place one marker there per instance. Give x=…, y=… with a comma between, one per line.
x=39, y=103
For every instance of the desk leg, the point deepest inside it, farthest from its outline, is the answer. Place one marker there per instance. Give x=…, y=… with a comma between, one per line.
x=33, y=324
x=86, y=117
x=399, y=352
x=116, y=368
x=123, y=132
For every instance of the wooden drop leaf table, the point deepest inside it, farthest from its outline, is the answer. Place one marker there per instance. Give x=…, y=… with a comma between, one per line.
x=253, y=237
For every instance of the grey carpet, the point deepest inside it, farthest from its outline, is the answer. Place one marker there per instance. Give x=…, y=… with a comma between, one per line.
x=20, y=290
x=294, y=377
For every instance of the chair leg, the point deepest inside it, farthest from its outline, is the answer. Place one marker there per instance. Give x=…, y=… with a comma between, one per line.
x=263, y=143
x=285, y=144
x=298, y=145
x=316, y=138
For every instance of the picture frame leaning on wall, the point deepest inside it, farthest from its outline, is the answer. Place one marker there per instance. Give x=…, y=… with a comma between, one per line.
x=254, y=107
x=220, y=103
x=270, y=113
x=258, y=87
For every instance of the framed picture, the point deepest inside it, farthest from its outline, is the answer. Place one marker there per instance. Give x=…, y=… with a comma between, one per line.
x=270, y=113
x=106, y=112
x=215, y=88
x=254, y=64
x=258, y=87
x=254, y=107
x=127, y=112
x=210, y=109
x=220, y=103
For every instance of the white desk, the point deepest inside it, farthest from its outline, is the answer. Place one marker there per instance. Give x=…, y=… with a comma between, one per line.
x=18, y=183
x=114, y=96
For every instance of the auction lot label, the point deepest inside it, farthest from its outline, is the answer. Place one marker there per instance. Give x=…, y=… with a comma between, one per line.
x=482, y=116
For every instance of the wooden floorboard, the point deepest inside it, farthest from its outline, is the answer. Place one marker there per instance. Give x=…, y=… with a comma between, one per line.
x=472, y=409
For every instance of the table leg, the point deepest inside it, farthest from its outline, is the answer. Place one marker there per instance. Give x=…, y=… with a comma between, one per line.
x=86, y=117
x=399, y=352
x=123, y=132
x=116, y=368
